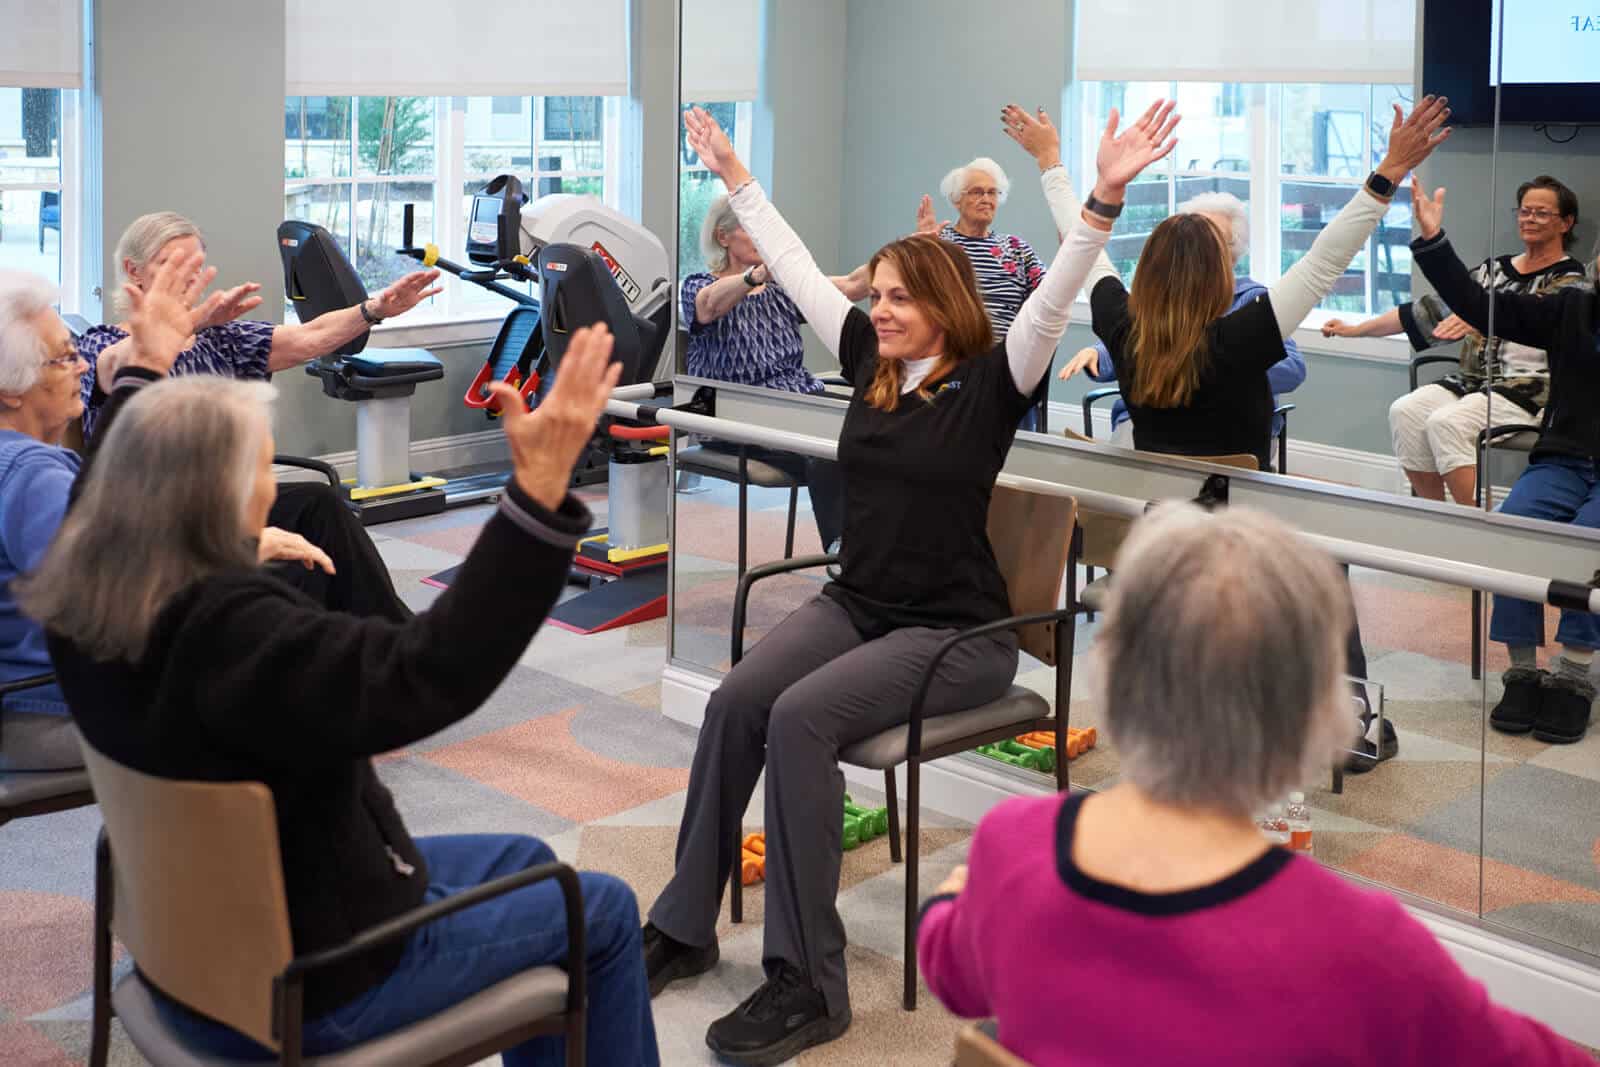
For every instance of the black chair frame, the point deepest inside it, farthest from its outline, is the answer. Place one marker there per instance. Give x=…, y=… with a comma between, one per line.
x=1093, y=396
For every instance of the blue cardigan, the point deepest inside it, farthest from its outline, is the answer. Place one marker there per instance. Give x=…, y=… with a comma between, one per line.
x=35, y=482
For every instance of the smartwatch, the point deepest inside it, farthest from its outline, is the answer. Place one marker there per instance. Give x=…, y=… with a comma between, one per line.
x=1379, y=186
x=749, y=278
x=1101, y=208
x=372, y=320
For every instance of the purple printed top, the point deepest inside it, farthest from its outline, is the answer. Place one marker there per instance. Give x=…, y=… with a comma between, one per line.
x=1281, y=962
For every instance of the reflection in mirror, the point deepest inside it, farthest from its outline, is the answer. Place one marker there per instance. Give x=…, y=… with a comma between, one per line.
x=1541, y=874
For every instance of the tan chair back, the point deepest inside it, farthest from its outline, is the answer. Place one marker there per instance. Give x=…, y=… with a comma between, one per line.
x=974, y=1048
x=1032, y=537
x=199, y=894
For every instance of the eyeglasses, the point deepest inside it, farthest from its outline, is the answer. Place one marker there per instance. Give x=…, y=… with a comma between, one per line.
x=983, y=194
x=1537, y=214
x=63, y=361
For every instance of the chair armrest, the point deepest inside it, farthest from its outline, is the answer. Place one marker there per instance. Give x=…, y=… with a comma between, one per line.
x=1011, y=622
x=1418, y=362
x=1495, y=432
x=741, y=597
x=17, y=685
x=1089, y=400
x=289, y=984
x=1283, y=409
x=306, y=463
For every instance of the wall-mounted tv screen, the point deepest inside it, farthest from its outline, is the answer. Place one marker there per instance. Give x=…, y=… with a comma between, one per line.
x=1550, y=62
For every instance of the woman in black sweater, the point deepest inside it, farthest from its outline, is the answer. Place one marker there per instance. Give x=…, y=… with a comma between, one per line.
x=1560, y=484
x=182, y=659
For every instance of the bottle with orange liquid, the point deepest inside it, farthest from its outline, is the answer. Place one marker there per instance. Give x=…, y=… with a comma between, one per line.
x=1298, y=816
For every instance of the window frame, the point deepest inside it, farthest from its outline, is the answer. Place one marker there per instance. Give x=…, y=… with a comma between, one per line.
x=69, y=185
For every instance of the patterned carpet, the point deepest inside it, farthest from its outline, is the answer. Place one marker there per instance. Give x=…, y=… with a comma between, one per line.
x=572, y=748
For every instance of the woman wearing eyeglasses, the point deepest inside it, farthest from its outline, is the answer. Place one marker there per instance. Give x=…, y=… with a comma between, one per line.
x=1436, y=427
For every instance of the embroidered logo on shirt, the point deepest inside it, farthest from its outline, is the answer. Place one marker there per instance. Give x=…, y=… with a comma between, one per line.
x=946, y=385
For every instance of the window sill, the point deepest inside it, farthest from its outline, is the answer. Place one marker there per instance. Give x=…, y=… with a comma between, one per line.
x=1309, y=338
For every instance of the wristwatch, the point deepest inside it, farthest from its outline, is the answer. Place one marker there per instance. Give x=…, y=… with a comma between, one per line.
x=1101, y=208
x=749, y=278
x=1379, y=186
x=372, y=320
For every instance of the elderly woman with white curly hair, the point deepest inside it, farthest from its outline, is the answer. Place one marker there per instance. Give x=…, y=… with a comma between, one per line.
x=1155, y=913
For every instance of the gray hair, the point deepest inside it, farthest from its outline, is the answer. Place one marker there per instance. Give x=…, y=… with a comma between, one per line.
x=1229, y=207
x=144, y=238
x=720, y=219
x=1222, y=657
x=952, y=188
x=23, y=296
x=164, y=506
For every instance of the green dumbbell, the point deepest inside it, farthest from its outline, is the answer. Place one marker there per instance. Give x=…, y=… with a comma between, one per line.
x=874, y=821
x=852, y=832
x=994, y=753
x=1038, y=759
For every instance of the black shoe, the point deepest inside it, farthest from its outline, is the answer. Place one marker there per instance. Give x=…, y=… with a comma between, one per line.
x=1564, y=705
x=781, y=1019
x=666, y=960
x=1519, y=707
x=1367, y=755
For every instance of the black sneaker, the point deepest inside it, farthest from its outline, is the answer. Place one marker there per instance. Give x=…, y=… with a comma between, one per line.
x=666, y=960
x=1519, y=707
x=781, y=1019
x=1564, y=705
x=1367, y=755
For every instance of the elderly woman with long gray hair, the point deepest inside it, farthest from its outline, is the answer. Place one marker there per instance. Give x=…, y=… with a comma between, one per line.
x=181, y=659
x=1220, y=669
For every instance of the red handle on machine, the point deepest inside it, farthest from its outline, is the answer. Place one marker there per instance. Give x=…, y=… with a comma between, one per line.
x=639, y=433
x=478, y=395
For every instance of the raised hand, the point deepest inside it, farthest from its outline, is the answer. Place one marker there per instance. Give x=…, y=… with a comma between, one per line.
x=546, y=442
x=406, y=293
x=1122, y=156
x=1035, y=133
x=711, y=144
x=1413, y=138
x=1453, y=328
x=1081, y=360
x=1429, y=210
x=928, y=223
x=161, y=320
x=276, y=544
x=225, y=305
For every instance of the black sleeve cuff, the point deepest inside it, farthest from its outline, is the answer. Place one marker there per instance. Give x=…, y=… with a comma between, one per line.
x=135, y=378
x=563, y=528
x=1429, y=244
x=927, y=905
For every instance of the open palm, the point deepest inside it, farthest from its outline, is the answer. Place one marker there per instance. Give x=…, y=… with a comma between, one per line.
x=1122, y=156
x=706, y=137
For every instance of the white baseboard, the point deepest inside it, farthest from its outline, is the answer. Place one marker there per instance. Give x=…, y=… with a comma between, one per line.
x=1561, y=993
x=432, y=454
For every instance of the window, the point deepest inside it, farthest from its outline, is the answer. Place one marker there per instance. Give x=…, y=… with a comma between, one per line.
x=38, y=192
x=351, y=164
x=1295, y=154
x=698, y=187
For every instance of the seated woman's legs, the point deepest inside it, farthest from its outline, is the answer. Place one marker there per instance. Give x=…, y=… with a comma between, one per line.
x=38, y=741
x=1553, y=704
x=360, y=583
x=1408, y=427
x=1453, y=436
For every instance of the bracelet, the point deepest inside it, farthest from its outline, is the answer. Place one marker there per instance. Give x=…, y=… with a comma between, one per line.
x=372, y=320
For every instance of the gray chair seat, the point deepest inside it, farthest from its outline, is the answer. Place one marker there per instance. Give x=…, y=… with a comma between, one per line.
x=524, y=998
x=26, y=787
x=726, y=465
x=888, y=749
x=1093, y=596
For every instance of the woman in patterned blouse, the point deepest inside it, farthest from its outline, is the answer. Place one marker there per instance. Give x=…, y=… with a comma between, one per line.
x=744, y=328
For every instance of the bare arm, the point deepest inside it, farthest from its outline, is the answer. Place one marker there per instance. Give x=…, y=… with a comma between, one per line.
x=297, y=343
x=1385, y=325
x=722, y=296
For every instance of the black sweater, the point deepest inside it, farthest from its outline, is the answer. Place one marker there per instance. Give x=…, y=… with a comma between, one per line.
x=246, y=679
x=1563, y=323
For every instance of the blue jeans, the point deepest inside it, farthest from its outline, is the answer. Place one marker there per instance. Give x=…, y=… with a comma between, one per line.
x=461, y=954
x=1560, y=489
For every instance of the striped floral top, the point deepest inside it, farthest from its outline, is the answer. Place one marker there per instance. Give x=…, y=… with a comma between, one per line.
x=1007, y=269
x=757, y=343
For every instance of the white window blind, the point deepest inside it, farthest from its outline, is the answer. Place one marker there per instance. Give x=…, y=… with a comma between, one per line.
x=41, y=44
x=1360, y=41
x=425, y=48
x=721, y=50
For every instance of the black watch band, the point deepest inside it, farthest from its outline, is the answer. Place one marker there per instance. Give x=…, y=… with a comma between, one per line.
x=1380, y=186
x=1101, y=208
x=372, y=320
x=749, y=280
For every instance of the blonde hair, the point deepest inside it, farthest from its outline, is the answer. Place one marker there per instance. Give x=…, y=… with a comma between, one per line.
x=142, y=241
x=720, y=219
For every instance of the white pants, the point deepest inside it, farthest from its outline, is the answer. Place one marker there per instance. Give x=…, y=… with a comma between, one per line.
x=1436, y=431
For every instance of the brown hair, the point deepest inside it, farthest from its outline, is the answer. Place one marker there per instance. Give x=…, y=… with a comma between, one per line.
x=1566, y=203
x=1183, y=284
x=938, y=276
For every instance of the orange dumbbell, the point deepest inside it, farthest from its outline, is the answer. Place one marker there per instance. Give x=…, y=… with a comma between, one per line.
x=753, y=859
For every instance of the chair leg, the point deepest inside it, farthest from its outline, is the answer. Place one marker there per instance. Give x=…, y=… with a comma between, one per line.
x=744, y=492
x=894, y=815
x=736, y=889
x=788, y=537
x=100, y=1025
x=1088, y=576
x=577, y=1032
x=913, y=829
x=1477, y=635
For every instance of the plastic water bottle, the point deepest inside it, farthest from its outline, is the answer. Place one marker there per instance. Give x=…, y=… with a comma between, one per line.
x=1275, y=825
x=1298, y=818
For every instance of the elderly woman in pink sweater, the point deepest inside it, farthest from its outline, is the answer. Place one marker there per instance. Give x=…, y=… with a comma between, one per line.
x=1154, y=916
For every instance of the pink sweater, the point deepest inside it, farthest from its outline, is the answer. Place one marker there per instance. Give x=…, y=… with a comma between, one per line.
x=1281, y=962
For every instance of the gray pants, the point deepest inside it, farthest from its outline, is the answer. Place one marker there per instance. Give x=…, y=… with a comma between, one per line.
x=811, y=687
x=34, y=741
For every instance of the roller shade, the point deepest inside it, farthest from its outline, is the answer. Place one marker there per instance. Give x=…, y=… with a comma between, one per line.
x=721, y=50
x=1360, y=41
x=425, y=48
x=41, y=44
